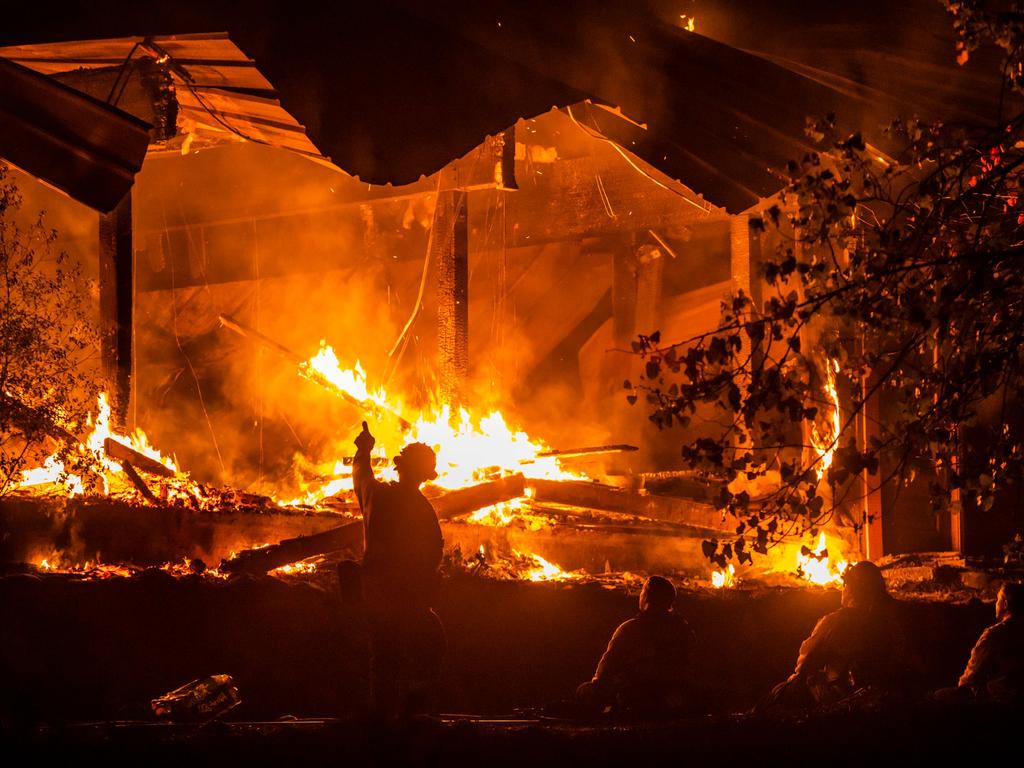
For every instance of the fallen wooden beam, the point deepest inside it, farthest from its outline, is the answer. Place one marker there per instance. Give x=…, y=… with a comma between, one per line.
x=565, y=453
x=597, y=496
x=350, y=535
x=257, y=561
x=139, y=483
x=121, y=452
x=465, y=500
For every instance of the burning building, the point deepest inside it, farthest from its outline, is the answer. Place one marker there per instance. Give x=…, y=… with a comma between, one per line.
x=256, y=301
x=280, y=252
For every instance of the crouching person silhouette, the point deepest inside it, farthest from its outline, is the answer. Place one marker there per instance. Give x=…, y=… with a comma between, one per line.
x=401, y=555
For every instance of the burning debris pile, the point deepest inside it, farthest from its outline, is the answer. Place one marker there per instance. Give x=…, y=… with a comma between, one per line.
x=524, y=510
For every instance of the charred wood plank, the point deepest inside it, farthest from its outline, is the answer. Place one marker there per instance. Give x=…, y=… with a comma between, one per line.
x=350, y=535
x=138, y=482
x=116, y=296
x=466, y=500
x=123, y=453
x=452, y=286
x=589, y=450
x=597, y=496
x=256, y=561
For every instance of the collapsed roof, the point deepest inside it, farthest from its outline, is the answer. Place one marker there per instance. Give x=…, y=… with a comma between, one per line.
x=391, y=93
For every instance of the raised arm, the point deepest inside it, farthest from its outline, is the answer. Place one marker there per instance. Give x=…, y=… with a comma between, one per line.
x=363, y=480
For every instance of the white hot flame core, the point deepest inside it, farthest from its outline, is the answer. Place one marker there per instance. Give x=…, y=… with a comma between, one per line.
x=724, y=578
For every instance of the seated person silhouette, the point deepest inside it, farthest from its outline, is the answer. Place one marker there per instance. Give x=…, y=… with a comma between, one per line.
x=644, y=669
x=856, y=648
x=995, y=671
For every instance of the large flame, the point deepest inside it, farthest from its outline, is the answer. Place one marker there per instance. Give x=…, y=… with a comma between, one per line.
x=824, y=444
x=724, y=578
x=817, y=568
x=471, y=447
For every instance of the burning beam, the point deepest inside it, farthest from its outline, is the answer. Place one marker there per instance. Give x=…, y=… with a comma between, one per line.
x=350, y=535
x=129, y=456
x=593, y=450
x=292, y=357
x=139, y=483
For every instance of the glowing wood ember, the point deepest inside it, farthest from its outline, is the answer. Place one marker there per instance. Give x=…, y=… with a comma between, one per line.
x=293, y=569
x=540, y=569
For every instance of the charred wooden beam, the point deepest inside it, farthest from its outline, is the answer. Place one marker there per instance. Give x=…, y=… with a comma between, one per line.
x=592, y=450
x=597, y=496
x=452, y=244
x=256, y=561
x=138, y=482
x=116, y=293
x=350, y=535
x=123, y=453
x=258, y=338
x=466, y=500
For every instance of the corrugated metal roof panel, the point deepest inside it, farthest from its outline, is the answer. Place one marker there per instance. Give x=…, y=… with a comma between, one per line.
x=80, y=145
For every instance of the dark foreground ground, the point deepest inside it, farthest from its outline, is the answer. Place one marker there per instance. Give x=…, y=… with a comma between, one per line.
x=74, y=652
x=921, y=735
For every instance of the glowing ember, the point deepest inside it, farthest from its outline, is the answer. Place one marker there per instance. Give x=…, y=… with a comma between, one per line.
x=825, y=444
x=689, y=23
x=816, y=568
x=303, y=566
x=544, y=570
x=725, y=578
x=89, y=570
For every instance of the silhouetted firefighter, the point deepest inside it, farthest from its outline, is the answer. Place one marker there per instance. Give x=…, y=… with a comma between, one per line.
x=644, y=670
x=403, y=548
x=995, y=671
x=858, y=648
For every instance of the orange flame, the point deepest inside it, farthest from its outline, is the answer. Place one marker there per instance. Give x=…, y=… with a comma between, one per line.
x=725, y=578
x=825, y=444
x=470, y=447
x=543, y=570
x=816, y=567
